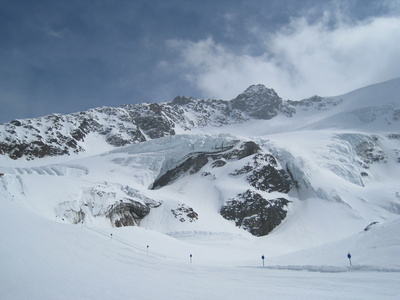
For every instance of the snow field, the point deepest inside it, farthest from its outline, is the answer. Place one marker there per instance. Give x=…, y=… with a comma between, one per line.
x=53, y=260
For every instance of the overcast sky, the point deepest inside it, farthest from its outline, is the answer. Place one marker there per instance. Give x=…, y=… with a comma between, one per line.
x=69, y=56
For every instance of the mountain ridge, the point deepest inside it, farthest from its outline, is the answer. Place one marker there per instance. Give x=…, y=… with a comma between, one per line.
x=57, y=135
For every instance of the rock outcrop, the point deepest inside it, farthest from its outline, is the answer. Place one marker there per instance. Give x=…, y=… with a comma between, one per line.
x=250, y=210
x=254, y=213
x=193, y=162
x=260, y=102
x=122, y=205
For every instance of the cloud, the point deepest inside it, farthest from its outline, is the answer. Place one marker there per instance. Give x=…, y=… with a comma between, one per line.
x=328, y=56
x=54, y=33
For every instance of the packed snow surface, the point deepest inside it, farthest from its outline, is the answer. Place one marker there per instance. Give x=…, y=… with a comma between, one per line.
x=346, y=163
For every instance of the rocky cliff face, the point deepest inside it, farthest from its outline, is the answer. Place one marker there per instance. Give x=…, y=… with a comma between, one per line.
x=251, y=210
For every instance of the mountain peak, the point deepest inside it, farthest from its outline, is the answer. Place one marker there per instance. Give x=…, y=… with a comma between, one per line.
x=258, y=102
x=259, y=89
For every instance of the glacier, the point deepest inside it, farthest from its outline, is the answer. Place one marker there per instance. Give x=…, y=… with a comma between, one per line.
x=89, y=192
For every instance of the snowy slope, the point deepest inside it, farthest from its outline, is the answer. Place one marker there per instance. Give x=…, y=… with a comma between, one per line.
x=342, y=153
x=42, y=259
x=375, y=108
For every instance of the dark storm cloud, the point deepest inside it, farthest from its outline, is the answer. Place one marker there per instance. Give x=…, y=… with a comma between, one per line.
x=71, y=55
x=67, y=56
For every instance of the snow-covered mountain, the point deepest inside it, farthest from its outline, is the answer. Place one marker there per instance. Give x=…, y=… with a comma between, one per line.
x=56, y=135
x=256, y=172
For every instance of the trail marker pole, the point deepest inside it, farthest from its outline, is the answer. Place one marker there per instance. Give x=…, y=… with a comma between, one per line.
x=349, y=257
x=262, y=257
